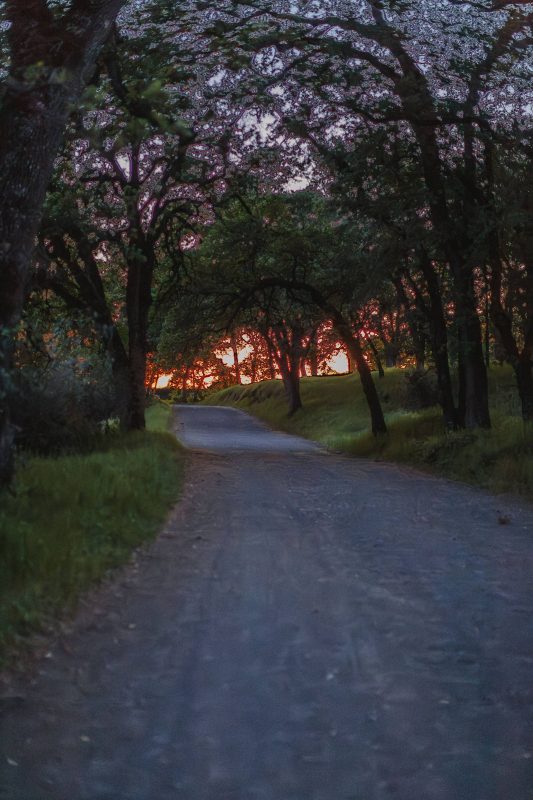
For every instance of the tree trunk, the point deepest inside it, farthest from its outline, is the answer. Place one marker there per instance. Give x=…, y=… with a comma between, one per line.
x=121, y=377
x=391, y=355
x=235, y=352
x=377, y=359
x=33, y=119
x=520, y=360
x=474, y=387
x=350, y=362
x=367, y=382
x=524, y=380
x=439, y=343
x=355, y=351
x=473, y=372
x=291, y=383
x=137, y=396
x=138, y=302
x=271, y=366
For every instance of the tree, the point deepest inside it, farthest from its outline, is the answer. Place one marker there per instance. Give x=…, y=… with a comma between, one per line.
x=52, y=55
x=285, y=263
x=343, y=75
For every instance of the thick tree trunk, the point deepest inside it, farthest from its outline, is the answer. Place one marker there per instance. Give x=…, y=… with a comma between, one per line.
x=137, y=395
x=32, y=123
x=439, y=343
x=121, y=378
x=138, y=302
x=313, y=363
x=291, y=383
x=289, y=368
x=473, y=372
x=391, y=356
x=524, y=381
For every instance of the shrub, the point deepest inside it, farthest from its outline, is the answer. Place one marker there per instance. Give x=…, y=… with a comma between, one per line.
x=421, y=390
x=61, y=408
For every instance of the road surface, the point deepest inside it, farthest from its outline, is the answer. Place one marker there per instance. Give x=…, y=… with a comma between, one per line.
x=307, y=627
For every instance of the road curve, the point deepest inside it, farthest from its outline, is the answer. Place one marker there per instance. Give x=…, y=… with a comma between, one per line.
x=307, y=627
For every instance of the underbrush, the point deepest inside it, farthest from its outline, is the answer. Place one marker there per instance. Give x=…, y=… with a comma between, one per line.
x=71, y=519
x=335, y=414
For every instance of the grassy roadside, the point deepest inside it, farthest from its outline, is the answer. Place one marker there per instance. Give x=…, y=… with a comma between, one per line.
x=73, y=518
x=336, y=415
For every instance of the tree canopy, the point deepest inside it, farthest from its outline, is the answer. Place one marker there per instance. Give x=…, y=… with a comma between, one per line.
x=184, y=172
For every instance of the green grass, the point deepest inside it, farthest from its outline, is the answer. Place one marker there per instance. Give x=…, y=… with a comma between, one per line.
x=335, y=413
x=73, y=518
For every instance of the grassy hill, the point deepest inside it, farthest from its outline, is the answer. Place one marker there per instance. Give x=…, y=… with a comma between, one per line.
x=335, y=413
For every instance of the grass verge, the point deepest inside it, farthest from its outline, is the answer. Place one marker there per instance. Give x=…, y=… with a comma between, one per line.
x=335, y=414
x=73, y=518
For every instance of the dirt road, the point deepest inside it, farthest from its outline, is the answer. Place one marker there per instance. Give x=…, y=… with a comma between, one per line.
x=307, y=628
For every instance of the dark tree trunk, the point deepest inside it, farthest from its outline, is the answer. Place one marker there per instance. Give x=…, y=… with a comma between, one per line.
x=121, y=377
x=487, y=328
x=291, y=383
x=313, y=364
x=135, y=419
x=32, y=123
x=367, y=382
x=184, y=385
x=439, y=342
x=391, y=355
x=377, y=359
x=520, y=360
x=138, y=302
x=461, y=379
x=473, y=375
x=271, y=366
x=524, y=380
x=236, y=365
x=415, y=323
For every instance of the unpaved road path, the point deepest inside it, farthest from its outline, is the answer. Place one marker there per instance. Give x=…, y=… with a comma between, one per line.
x=307, y=628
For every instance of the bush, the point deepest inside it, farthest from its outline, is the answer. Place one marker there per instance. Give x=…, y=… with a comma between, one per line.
x=422, y=390
x=61, y=408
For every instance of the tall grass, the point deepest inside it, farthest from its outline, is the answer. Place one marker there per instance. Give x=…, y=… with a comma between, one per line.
x=72, y=518
x=335, y=414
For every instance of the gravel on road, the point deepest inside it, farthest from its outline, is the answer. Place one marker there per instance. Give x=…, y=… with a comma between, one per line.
x=306, y=627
